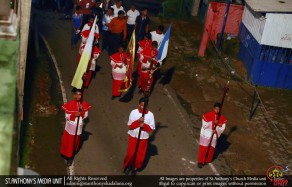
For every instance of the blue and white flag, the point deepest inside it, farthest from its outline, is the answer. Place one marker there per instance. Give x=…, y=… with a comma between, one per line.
x=162, y=52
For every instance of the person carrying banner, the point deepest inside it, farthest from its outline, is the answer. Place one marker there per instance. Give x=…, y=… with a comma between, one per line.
x=86, y=30
x=147, y=58
x=92, y=63
x=119, y=63
x=213, y=125
x=136, y=121
x=143, y=44
x=95, y=52
x=75, y=112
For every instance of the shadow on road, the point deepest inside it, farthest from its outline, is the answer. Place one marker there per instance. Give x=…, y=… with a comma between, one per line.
x=130, y=94
x=152, y=149
x=223, y=144
x=167, y=76
x=84, y=136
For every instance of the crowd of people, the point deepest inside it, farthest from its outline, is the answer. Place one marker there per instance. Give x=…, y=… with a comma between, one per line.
x=114, y=28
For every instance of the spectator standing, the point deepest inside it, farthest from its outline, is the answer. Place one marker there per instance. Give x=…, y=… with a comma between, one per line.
x=76, y=21
x=107, y=4
x=105, y=30
x=158, y=35
x=97, y=11
x=132, y=14
x=118, y=7
x=67, y=8
x=86, y=6
x=142, y=25
x=118, y=29
x=59, y=5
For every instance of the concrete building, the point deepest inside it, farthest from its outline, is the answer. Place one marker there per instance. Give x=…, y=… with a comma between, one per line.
x=266, y=42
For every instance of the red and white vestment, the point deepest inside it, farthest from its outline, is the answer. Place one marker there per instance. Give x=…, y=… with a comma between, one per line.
x=208, y=125
x=144, y=57
x=71, y=108
x=134, y=126
x=119, y=63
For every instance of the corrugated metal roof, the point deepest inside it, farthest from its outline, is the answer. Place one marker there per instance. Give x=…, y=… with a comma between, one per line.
x=270, y=5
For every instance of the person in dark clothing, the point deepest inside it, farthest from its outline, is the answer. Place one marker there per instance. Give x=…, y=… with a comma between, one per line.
x=97, y=11
x=142, y=25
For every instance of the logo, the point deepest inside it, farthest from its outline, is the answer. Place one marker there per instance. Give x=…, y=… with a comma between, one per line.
x=276, y=175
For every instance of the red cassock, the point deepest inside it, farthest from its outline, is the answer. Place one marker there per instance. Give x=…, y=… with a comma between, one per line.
x=144, y=55
x=143, y=44
x=134, y=126
x=208, y=125
x=67, y=143
x=119, y=63
x=92, y=63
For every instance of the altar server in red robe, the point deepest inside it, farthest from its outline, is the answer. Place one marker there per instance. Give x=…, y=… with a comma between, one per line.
x=119, y=62
x=146, y=58
x=210, y=125
x=136, y=121
x=75, y=112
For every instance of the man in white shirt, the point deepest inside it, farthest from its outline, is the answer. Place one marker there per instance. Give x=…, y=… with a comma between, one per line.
x=136, y=121
x=132, y=14
x=117, y=7
x=158, y=35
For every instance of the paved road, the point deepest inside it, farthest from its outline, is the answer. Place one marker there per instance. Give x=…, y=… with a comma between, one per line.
x=173, y=146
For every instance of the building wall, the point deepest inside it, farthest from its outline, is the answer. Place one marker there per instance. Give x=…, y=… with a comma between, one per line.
x=255, y=23
x=269, y=28
x=278, y=30
x=214, y=23
x=266, y=65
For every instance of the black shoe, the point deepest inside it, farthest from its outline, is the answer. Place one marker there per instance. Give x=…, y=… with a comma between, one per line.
x=134, y=172
x=140, y=90
x=113, y=97
x=127, y=170
x=69, y=162
x=200, y=165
